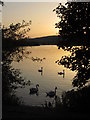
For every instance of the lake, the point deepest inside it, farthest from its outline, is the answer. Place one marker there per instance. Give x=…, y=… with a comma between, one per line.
x=43, y=56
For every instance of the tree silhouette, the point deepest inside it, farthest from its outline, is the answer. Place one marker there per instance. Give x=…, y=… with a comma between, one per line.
x=78, y=98
x=78, y=61
x=74, y=20
x=17, y=31
x=74, y=26
x=11, y=77
x=15, y=35
x=77, y=101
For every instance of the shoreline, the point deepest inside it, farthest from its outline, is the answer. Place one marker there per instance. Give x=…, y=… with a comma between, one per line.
x=28, y=112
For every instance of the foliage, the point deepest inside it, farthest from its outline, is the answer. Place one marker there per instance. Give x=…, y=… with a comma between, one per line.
x=15, y=35
x=78, y=61
x=77, y=101
x=74, y=20
x=17, y=31
x=74, y=27
x=11, y=78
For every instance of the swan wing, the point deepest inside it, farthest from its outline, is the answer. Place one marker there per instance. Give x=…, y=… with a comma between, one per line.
x=33, y=90
x=51, y=93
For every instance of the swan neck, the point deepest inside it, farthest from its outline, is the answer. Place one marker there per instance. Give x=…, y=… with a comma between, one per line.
x=55, y=91
x=36, y=87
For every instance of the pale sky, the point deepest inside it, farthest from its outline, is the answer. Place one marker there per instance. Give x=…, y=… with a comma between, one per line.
x=40, y=13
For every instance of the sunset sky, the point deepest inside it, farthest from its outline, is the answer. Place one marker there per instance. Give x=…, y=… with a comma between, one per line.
x=40, y=13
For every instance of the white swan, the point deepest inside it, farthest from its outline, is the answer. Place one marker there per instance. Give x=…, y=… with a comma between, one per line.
x=52, y=93
x=34, y=90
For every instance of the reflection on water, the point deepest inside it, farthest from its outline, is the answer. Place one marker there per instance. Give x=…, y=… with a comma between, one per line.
x=40, y=68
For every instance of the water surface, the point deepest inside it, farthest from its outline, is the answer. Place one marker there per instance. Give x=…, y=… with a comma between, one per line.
x=49, y=79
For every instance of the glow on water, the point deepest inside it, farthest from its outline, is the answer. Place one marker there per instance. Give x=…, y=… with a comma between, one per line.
x=49, y=78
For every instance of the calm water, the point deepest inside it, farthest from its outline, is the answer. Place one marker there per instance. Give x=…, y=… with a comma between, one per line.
x=48, y=79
